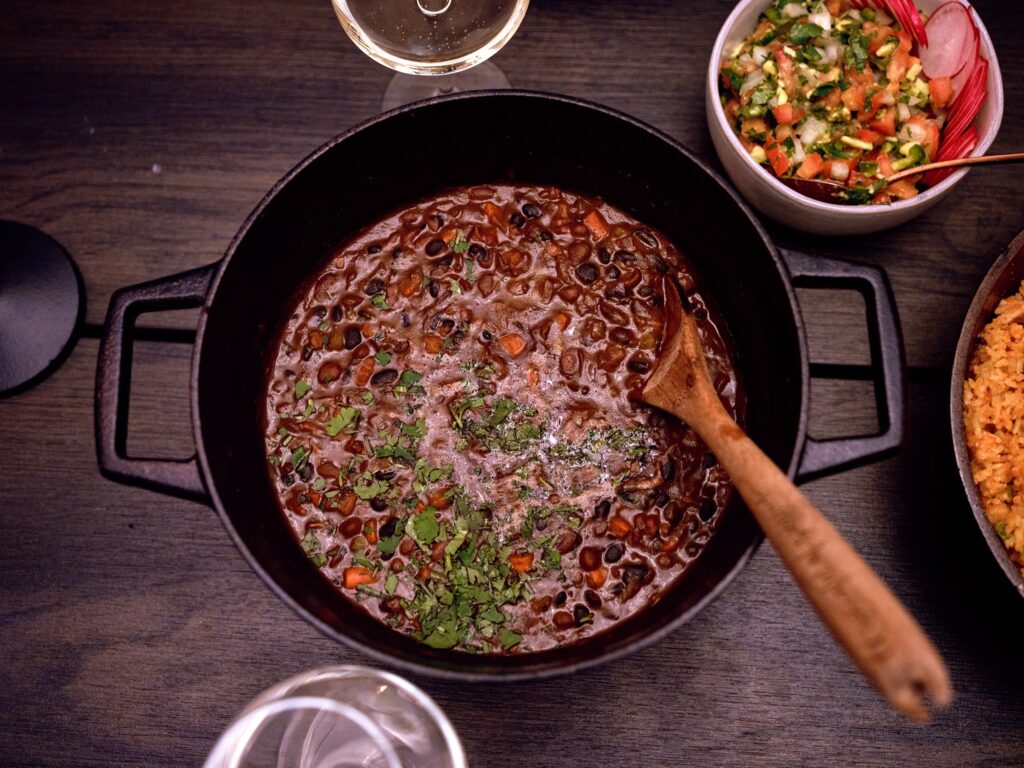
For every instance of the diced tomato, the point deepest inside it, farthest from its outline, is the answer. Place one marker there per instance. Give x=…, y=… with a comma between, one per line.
x=871, y=137
x=777, y=157
x=787, y=70
x=833, y=6
x=884, y=165
x=783, y=132
x=896, y=69
x=753, y=126
x=906, y=44
x=941, y=90
x=787, y=114
x=877, y=36
x=811, y=166
x=885, y=122
x=902, y=189
x=853, y=98
x=874, y=103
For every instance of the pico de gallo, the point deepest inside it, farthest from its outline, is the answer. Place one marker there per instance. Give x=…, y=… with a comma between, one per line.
x=827, y=90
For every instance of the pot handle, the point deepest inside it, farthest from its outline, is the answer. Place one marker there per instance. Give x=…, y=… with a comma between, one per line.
x=113, y=380
x=888, y=364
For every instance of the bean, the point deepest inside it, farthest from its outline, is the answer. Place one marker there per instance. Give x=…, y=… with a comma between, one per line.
x=306, y=473
x=351, y=526
x=613, y=272
x=435, y=246
x=433, y=288
x=517, y=220
x=531, y=211
x=586, y=273
x=436, y=221
x=646, y=238
x=709, y=460
x=373, y=249
x=661, y=500
x=328, y=372
x=614, y=552
x=665, y=561
x=382, y=378
x=337, y=339
x=570, y=362
x=626, y=257
x=336, y=314
x=569, y=541
x=592, y=598
x=378, y=503
x=563, y=620
x=560, y=598
x=320, y=312
x=604, y=255
x=613, y=314
x=387, y=530
x=590, y=558
x=385, y=474
x=581, y=614
x=579, y=250
x=638, y=364
x=673, y=514
x=593, y=330
x=602, y=509
x=545, y=236
x=569, y=293
x=374, y=286
x=668, y=469
x=659, y=264
x=307, y=352
x=622, y=336
x=707, y=510
x=644, y=290
x=541, y=604
x=406, y=320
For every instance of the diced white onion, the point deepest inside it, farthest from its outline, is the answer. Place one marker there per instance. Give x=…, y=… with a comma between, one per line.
x=823, y=20
x=812, y=130
x=912, y=132
x=752, y=81
x=793, y=10
x=760, y=54
x=833, y=50
x=881, y=19
x=798, y=150
x=903, y=111
x=840, y=170
x=888, y=99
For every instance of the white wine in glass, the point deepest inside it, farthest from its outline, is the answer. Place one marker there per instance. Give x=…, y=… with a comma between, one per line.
x=432, y=37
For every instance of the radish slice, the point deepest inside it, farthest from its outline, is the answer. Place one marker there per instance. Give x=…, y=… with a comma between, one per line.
x=962, y=147
x=952, y=34
x=968, y=104
x=961, y=77
x=907, y=15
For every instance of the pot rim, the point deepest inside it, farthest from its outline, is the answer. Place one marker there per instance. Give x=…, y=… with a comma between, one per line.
x=973, y=322
x=526, y=672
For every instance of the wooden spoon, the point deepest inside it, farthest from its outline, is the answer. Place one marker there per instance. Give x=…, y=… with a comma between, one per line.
x=865, y=617
x=834, y=192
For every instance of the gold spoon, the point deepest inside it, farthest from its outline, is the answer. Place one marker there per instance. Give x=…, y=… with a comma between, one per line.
x=834, y=192
x=872, y=625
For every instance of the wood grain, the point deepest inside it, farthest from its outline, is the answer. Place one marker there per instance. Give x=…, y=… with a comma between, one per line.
x=141, y=134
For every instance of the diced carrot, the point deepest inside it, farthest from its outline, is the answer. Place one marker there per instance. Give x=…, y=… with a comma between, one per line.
x=410, y=282
x=619, y=526
x=521, y=561
x=367, y=330
x=787, y=114
x=356, y=575
x=316, y=339
x=489, y=235
x=596, y=224
x=370, y=531
x=438, y=498
x=778, y=159
x=552, y=248
x=448, y=235
x=423, y=574
x=432, y=343
x=533, y=377
x=811, y=166
x=941, y=90
x=596, y=579
x=513, y=344
x=562, y=318
x=493, y=214
x=364, y=371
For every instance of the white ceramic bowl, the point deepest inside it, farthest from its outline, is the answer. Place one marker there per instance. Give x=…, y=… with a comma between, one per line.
x=779, y=202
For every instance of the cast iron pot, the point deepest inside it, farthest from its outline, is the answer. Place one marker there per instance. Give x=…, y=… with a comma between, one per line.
x=1002, y=279
x=395, y=159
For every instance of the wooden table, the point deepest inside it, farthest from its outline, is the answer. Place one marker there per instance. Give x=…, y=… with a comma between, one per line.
x=141, y=134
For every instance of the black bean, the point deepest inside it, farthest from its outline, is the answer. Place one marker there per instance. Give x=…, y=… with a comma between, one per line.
x=626, y=257
x=385, y=474
x=560, y=598
x=388, y=529
x=673, y=514
x=373, y=287
x=614, y=552
x=353, y=337
x=635, y=572
x=604, y=255
x=541, y=524
x=287, y=478
x=662, y=500
x=668, y=469
x=638, y=365
x=546, y=236
x=586, y=273
x=406, y=320
x=517, y=220
x=581, y=614
x=476, y=251
x=437, y=220
x=435, y=246
x=372, y=249
x=709, y=460
x=378, y=503
x=303, y=498
x=646, y=238
x=613, y=272
x=592, y=598
x=387, y=376
x=307, y=352
x=659, y=264
x=396, y=254
x=707, y=510
x=433, y=288
x=644, y=290
x=320, y=312
x=486, y=335
x=602, y=509
x=701, y=313
x=306, y=472
x=621, y=336
x=531, y=211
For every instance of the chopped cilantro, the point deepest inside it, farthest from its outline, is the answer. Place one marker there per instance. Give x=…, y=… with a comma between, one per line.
x=383, y=357
x=380, y=300
x=509, y=638
x=460, y=244
x=346, y=417
x=803, y=32
x=423, y=528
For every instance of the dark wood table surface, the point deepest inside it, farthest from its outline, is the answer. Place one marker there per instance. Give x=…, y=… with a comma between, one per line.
x=140, y=134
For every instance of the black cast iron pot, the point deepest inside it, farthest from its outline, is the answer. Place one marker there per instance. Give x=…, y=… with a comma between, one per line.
x=412, y=152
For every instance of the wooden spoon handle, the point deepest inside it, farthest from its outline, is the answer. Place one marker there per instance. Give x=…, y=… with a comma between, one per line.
x=1013, y=157
x=864, y=616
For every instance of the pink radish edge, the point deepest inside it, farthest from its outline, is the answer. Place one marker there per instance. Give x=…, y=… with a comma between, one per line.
x=952, y=32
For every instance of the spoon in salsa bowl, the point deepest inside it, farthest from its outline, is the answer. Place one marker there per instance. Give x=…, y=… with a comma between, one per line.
x=839, y=194
x=869, y=622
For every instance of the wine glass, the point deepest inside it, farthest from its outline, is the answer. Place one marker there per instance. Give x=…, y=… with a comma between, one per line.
x=448, y=38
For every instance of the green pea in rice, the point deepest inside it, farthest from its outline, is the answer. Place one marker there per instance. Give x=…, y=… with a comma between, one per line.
x=994, y=422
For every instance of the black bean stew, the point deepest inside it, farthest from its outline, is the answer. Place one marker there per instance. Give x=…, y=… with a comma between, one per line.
x=452, y=427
